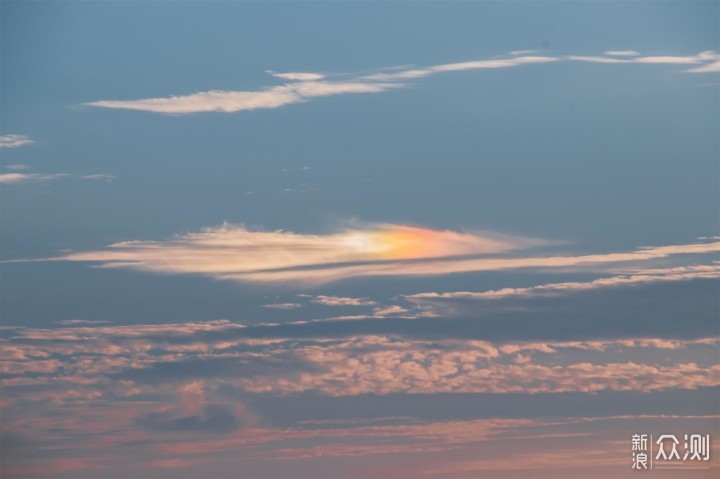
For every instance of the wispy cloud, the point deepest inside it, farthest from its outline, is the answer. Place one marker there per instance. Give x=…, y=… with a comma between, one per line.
x=622, y=53
x=232, y=101
x=99, y=177
x=283, y=306
x=338, y=300
x=79, y=322
x=14, y=141
x=297, y=76
x=706, y=58
x=680, y=273
x=236, y=253
x=13, y=178
x=17, y=167
x=305, y=86
x=231, y=252
x=465, y=265
x=462, y=66
x=707, y=68
x=17, y=178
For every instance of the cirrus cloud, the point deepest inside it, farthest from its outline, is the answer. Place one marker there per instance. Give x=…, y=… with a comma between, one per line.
x=14, y=141
x=305, y=86
x=233, y=252
x=232, y=101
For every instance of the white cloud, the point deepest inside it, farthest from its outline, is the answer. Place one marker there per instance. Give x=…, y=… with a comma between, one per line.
x=232, y=101
x=80, y=322
x=298, y=76
x=234, y=253
x=442, y=266
x=622, y=53
x=18, y=178
x=709, y=58
x=707, y=68
x=595, y=59
x=14, y=178
x=668, y=60
x=681, y=273
x=451, y=67
x=307, y=85
x=339, y=300
x=230, y=251
x=18, y=167
x=392, y=310
x=14, y=141
x=100, y=177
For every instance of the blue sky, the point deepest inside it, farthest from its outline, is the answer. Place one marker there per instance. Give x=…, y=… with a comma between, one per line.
x=234, y=203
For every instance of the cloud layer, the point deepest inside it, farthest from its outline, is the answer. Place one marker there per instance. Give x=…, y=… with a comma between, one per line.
x=86, y=361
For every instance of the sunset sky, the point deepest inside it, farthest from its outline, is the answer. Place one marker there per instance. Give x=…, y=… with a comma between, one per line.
x=357, y=240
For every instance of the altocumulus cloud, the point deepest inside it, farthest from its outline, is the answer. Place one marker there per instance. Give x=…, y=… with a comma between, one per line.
x=203, y=354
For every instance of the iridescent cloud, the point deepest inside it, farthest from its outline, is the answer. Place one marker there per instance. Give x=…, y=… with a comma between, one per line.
x=236, y=253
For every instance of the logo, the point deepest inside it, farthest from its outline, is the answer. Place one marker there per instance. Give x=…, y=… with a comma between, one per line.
x=668, y=452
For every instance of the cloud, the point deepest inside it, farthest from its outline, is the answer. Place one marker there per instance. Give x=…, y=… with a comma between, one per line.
x=443, y=266
x=18, y=178
x=596, y=59
x=14, y=141
x=212, y=418
x=708, y=58
x=283, y=306
x=17, y=167
x=392, y=310
x=622, y=53
x=681, y=273
x=83, y=359
x=707, y=68
x=298, y=76
x=99, y=177
x=176, y=463
x=233, y=252
x=339, y=301
x=233, y=101
x=307, y=85
x=14, y=178
x=462, y=66
x=71, y=322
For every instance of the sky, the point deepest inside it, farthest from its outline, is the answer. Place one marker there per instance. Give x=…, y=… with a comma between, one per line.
x=354, y=240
